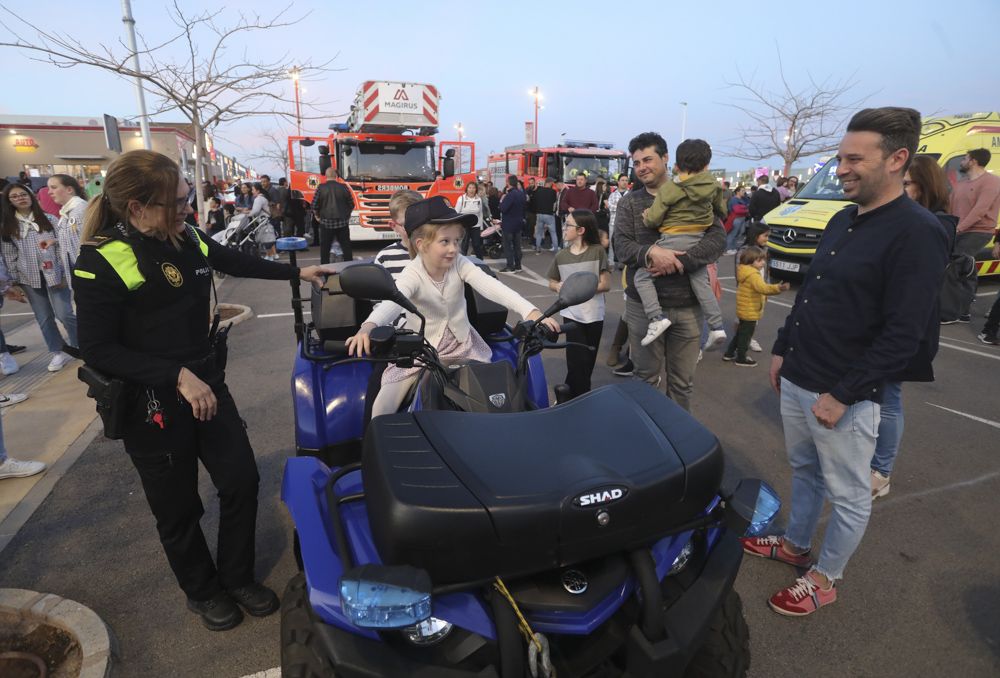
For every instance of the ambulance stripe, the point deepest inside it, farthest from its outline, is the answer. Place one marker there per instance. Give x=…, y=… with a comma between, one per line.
x=430, y=102
x=432, y=89
x=370, y=99
x=430, y=116
x=368, y=85
x=372, y=114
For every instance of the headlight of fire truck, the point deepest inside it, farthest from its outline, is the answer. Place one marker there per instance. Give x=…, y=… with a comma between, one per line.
x=355, y=220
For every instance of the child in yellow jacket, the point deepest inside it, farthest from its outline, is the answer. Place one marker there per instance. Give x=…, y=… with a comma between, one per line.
x=750, y=299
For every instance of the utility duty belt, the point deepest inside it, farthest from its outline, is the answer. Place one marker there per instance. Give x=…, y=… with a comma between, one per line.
x=114, y=396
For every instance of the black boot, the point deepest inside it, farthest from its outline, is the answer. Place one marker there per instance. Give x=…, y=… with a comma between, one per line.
x=256, y=599
x=218, y=613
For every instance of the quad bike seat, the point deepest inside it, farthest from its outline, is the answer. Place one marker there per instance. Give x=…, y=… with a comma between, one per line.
x=467, y=496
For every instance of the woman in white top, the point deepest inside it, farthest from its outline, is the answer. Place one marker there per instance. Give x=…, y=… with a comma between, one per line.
x=72, y=200
x=470, y=202
x=435, y=282
x=38, y=272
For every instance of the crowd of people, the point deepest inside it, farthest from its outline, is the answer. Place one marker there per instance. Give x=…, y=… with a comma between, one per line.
x=849, y=343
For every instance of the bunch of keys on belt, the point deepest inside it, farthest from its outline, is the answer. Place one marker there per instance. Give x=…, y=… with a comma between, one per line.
x=154, y=411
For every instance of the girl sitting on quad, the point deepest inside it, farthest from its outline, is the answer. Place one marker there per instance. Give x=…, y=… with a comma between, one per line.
x=435, y=282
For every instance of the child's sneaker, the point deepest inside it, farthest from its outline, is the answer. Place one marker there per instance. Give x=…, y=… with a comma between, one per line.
x=655, y=329
x=755, y=347
x=803, y=597
x=716, y=338
x=880, y=484
x=771, y=548
x=745, y=362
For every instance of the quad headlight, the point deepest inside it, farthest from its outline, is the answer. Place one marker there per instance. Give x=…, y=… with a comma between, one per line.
x=381, y=597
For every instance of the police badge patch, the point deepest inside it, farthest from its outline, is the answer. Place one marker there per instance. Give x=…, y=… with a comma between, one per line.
x=172, y=274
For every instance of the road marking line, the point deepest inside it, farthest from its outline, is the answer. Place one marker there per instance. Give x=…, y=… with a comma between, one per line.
x=270, y=673
x=940, y=343
x=988, y=422
x=986, y=294
x=969, y=350
x=937, y=490
x=282, y=315
x=14, y=315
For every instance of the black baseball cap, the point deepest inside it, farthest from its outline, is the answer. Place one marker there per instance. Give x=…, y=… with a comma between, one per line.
x=435, y=210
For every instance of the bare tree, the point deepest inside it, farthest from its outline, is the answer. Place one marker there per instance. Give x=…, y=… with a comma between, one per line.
x=273, y=149
x=213, y=83
x=790, y=122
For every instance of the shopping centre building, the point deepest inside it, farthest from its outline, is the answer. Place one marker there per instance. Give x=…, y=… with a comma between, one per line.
x=45, y=145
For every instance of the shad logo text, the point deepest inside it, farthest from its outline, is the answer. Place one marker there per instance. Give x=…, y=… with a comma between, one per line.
x=599, y=497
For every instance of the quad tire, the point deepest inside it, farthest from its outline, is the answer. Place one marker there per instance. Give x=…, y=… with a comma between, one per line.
x=301, y=652
x=726, y=652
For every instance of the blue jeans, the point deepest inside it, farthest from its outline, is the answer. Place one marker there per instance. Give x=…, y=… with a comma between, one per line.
x=890, y=428
x=735, y=237
x=49, y=303
x=542, y=222
x=828, y=464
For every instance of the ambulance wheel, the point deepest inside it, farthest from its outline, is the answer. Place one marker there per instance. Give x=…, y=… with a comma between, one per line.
x=301, y=652
x=726, y=652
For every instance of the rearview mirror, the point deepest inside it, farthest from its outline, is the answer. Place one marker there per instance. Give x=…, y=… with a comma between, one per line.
x=371, y=281
x=751, y=507
x=577, y=288
x=368, y=281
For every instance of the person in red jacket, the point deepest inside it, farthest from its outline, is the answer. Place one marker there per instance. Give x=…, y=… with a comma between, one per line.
x=579, y=197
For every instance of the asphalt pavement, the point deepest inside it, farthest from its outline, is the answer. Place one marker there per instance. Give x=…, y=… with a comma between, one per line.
x=921, y=596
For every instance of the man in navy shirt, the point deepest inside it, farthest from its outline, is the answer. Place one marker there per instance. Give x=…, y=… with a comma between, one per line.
x=512, y=208
x=866, y=312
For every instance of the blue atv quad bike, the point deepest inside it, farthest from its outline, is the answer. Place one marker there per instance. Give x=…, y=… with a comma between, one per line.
x=482, y=533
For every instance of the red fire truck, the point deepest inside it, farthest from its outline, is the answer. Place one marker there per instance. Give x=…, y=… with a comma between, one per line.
x=386, y=145
x=564, y=162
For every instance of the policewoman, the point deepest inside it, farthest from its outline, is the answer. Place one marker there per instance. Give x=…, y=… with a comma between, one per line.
x=143, y=284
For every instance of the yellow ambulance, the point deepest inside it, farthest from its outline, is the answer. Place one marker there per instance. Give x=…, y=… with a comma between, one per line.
x=796, y=225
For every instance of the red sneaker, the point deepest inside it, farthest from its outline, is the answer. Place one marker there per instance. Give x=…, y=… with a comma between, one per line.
x=803, y=597
x=770, y=548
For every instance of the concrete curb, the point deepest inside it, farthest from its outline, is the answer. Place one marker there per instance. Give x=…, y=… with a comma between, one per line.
x=245, y=313
x=16, y=519
x=98, y=645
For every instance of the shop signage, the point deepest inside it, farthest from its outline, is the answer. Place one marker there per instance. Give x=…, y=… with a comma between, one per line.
x=25, y=145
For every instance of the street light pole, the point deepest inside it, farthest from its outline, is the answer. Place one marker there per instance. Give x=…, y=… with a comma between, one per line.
x=684, y=120
x=147, y=141
x=535, y=93
x=460, y=130
x=298, y=112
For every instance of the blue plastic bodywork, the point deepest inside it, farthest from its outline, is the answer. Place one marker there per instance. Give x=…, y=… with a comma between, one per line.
x=329, y=403
x=302, y=491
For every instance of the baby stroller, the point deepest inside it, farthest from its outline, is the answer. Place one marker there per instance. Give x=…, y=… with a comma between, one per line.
x=493, y=241
x=252, y=236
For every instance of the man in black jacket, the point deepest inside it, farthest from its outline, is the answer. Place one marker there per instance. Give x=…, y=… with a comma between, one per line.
x=764, y=199
x=867, y=312
x=332, y=207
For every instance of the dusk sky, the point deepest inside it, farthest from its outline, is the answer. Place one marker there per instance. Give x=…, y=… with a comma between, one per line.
x=606, y=70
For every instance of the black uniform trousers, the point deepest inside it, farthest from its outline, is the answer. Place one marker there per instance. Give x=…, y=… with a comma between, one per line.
x=328, y=235
x=580, y=361
x=167, y=462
